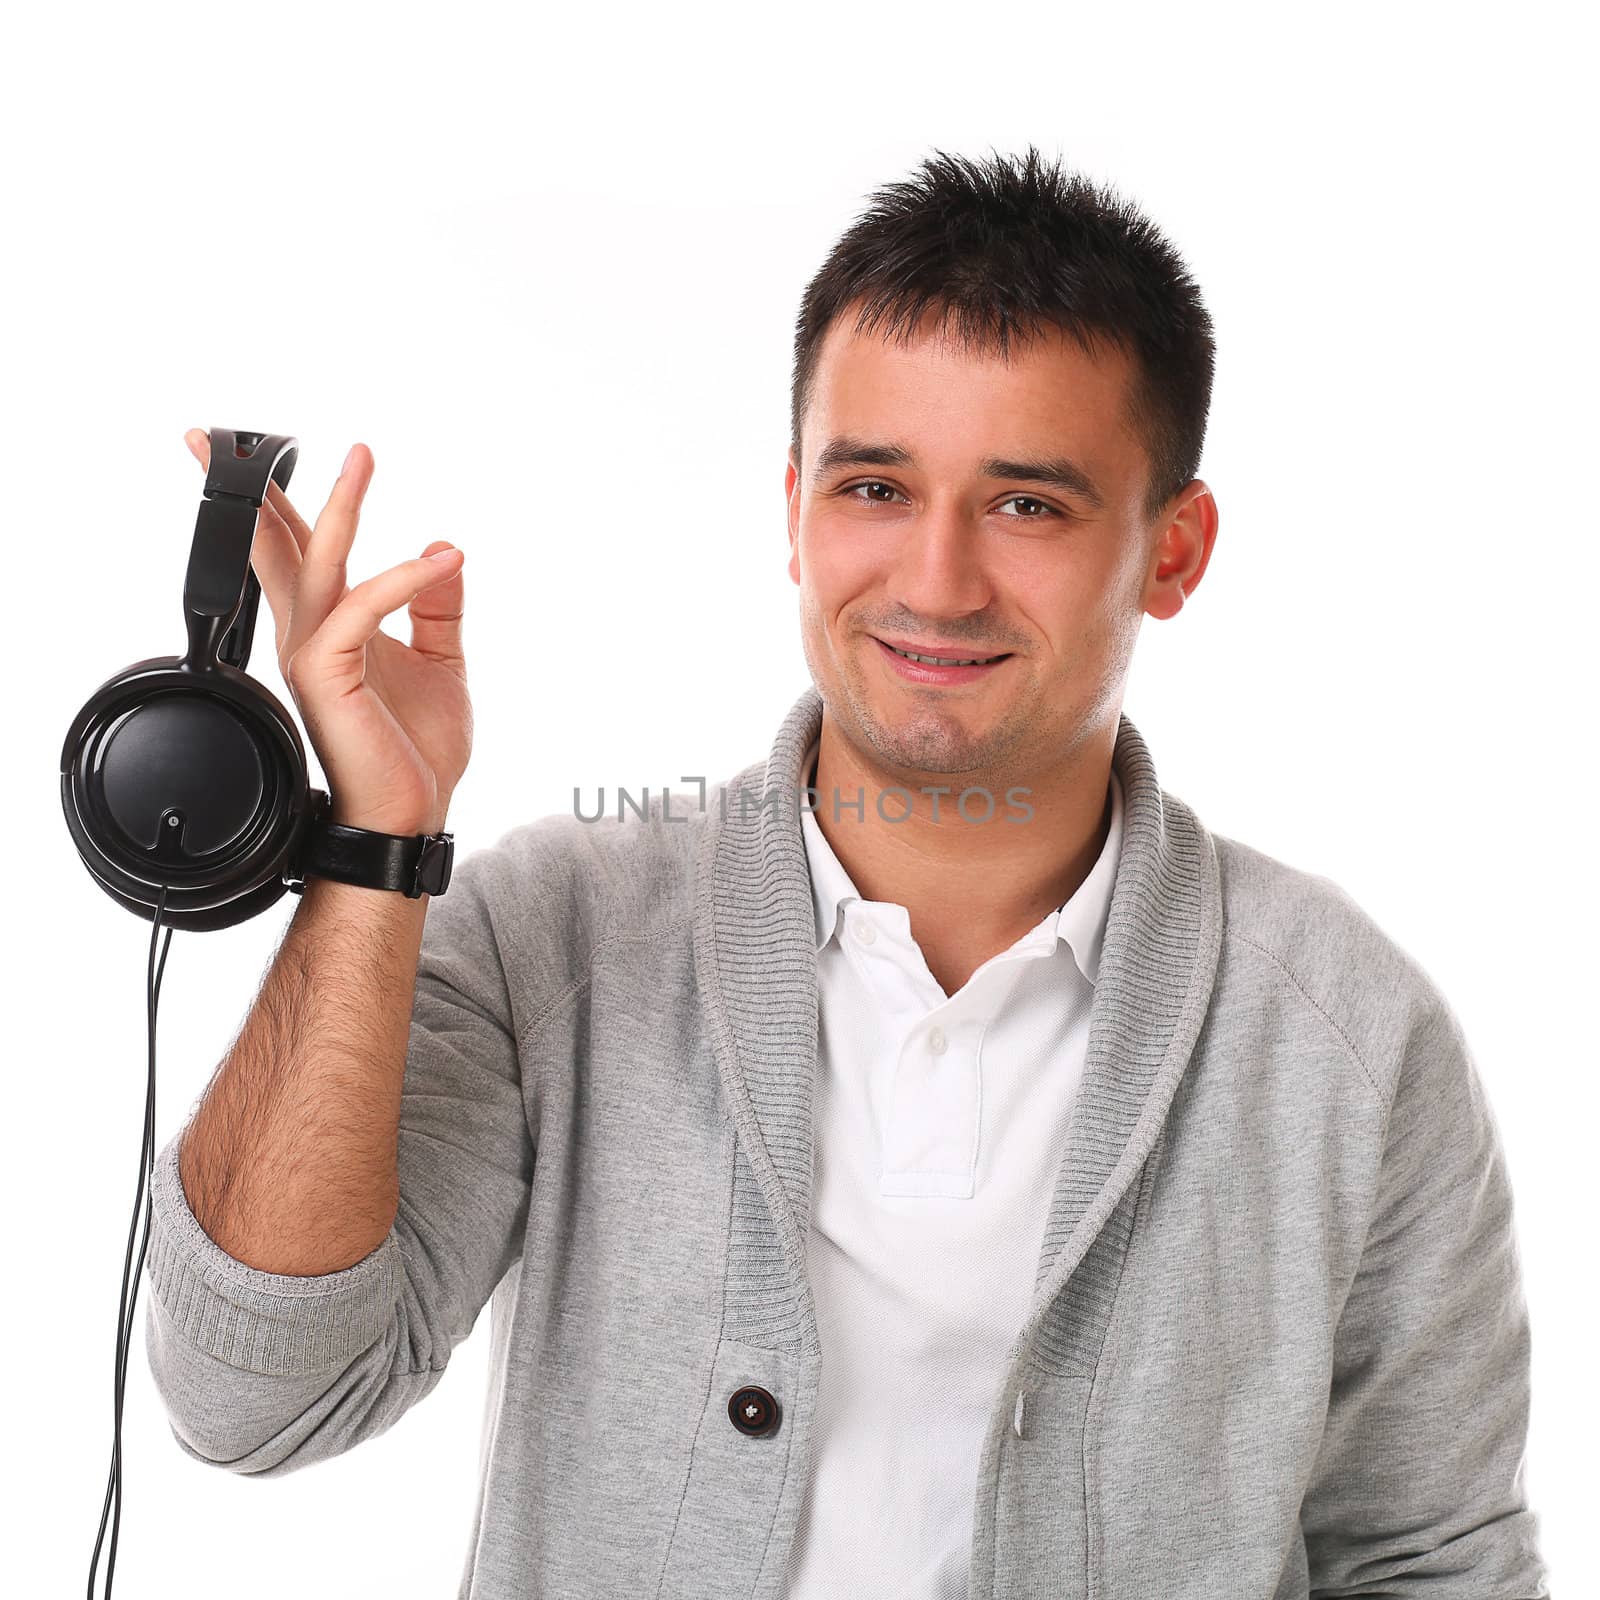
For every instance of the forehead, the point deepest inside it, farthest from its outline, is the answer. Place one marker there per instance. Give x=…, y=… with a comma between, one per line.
x=1043, y=390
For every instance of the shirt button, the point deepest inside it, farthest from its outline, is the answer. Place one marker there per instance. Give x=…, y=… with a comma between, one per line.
x=865, y=932
x=753, y=1410
x=936, y=1039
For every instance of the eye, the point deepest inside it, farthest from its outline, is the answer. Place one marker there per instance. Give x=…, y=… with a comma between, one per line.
x=1032, y=500
x=849, y=492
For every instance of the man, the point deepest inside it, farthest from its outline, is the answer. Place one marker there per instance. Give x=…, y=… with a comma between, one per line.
x=935, y=1164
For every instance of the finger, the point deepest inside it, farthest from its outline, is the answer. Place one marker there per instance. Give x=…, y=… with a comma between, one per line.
x=436, y=613
x=294, y=523
x=276, y=560
x=320, y=585
x=335, y=656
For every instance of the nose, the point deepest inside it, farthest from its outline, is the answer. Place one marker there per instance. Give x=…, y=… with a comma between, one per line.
x=938, y=569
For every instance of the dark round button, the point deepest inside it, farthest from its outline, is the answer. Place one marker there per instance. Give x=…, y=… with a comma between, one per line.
x=753, y=1410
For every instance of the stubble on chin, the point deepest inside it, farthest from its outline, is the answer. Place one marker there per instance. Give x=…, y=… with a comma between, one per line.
x=922, y=740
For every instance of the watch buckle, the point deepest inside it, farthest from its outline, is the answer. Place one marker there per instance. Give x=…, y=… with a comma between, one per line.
x=432, y=876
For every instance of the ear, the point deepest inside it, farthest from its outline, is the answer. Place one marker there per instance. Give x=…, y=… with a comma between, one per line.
x=1182, y=549
x=791, y=494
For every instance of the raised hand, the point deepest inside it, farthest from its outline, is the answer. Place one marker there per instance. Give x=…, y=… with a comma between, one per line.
x=391, y=723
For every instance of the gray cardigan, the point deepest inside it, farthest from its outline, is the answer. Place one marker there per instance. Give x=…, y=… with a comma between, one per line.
x=1278, y=1345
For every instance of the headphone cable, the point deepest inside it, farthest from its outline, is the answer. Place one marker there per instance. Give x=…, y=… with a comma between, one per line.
x=126, y=1304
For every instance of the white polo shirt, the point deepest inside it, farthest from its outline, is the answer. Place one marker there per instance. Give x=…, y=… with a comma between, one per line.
x=941, y=1123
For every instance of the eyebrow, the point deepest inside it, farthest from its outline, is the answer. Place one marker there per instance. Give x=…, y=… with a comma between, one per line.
x=1056, y=471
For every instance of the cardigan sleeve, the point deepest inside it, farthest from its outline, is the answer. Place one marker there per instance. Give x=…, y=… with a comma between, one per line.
x=1418, y=1487
x=264, y=1373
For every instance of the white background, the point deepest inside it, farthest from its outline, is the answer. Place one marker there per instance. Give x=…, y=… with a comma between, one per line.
x=547, y=267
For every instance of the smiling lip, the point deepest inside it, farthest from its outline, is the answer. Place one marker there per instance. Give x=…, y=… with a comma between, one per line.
x=929, y=675
x=951, y=652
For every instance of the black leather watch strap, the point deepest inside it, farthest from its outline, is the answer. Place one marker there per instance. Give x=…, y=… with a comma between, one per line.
x=410, y=864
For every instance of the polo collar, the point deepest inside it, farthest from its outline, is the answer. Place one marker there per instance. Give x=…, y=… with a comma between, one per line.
x=1079, y=923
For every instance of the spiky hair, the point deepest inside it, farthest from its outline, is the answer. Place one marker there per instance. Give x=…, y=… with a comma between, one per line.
x=1006, y=248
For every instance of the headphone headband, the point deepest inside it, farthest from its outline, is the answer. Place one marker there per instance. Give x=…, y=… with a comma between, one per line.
x=220, y=589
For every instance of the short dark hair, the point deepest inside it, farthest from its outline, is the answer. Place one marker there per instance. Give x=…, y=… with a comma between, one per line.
x=1011, y=246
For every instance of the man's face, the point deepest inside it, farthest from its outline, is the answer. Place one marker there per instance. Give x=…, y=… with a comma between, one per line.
x=951, y=547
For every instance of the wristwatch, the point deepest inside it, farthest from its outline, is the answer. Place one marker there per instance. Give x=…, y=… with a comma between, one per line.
x=412, y=864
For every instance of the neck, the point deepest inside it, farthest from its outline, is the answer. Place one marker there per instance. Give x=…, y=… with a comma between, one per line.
x=972, y=888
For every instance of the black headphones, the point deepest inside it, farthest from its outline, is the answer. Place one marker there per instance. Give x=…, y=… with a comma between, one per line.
x=184, y=785
x=184, y=780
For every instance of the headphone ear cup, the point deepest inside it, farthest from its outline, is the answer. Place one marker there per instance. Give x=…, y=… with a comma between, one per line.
x=226, y=916
x=192, y=782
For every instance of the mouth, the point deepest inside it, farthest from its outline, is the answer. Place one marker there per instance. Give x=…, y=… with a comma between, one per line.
x=947, y=665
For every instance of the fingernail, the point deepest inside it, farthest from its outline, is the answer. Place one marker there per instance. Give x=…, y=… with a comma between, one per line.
x=444, y=555
x=344, y=471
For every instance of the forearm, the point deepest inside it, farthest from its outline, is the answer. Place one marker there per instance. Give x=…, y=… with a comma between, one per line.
x=290, y=1160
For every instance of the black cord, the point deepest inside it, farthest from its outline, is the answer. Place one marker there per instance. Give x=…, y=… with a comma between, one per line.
x=126, y=1304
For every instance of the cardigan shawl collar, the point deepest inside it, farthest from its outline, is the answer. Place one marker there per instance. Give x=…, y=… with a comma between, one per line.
x=755, y=953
